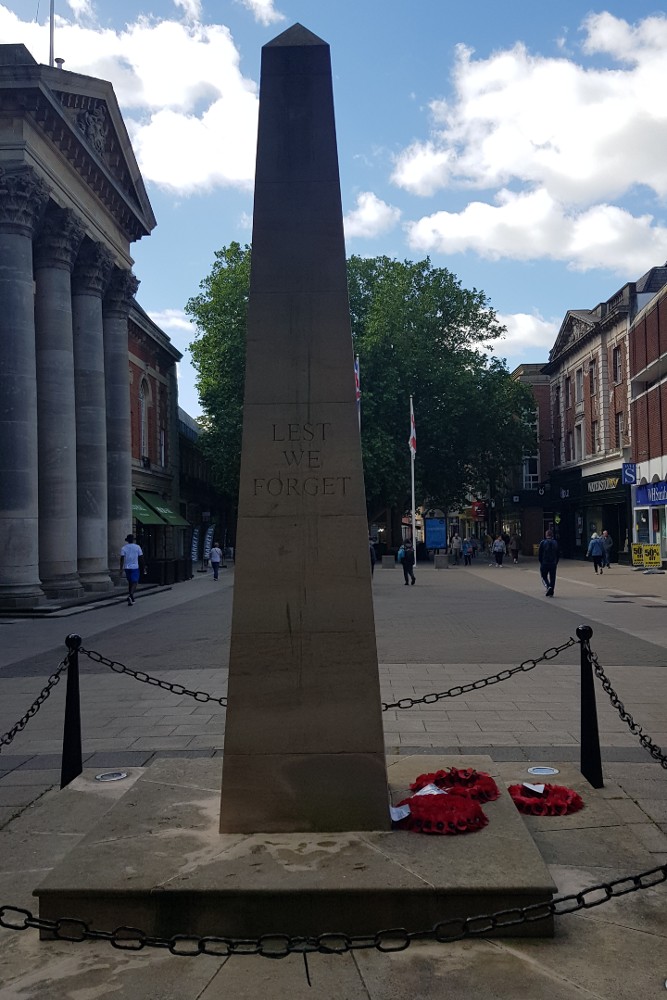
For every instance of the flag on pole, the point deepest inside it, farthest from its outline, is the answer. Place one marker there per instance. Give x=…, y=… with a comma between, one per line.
x=357, y=387
x=412, y=440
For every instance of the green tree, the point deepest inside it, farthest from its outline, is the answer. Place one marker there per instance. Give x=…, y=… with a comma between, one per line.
x=416, y=331
x=218, y=354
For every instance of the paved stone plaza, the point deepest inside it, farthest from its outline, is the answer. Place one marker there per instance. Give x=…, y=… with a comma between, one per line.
x=455, y=626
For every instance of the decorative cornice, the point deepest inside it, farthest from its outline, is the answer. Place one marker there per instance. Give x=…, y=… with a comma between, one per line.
x=23, y=199
x=59, y=239
x=92, y=269
x=122, y=289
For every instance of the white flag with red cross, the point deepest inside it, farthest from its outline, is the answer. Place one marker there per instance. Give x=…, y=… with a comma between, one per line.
x=412, y=441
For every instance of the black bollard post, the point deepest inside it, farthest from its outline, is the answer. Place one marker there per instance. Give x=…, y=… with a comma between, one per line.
x=72, y=765
x=591, y=762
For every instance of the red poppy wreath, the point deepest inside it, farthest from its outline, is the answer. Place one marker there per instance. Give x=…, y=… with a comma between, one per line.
x=556, y=800
x=463, y=781
x=442, y=814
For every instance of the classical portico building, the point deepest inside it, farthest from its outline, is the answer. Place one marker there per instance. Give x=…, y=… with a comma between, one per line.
x=72, y=202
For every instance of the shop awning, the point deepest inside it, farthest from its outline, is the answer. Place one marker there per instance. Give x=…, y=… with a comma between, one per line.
x=164, y=509
x=143, y=513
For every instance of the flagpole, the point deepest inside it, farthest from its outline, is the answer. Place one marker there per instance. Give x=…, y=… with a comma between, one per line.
x=412, y=476
x=52, y=18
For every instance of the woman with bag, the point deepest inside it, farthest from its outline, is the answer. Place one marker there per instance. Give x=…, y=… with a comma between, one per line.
x=596, y=552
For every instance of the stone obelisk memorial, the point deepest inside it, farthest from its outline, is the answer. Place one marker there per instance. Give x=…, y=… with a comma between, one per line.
x=304, y=747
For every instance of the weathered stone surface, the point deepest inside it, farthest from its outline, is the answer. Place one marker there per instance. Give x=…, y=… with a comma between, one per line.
x=156, y=861
x=304, y=746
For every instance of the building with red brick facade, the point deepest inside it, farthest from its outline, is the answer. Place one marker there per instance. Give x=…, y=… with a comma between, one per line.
x=648, y=389
x=591, y=417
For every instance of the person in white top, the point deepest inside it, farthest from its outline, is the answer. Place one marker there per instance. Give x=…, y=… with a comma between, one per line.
x=131, y=562
x=215, y=557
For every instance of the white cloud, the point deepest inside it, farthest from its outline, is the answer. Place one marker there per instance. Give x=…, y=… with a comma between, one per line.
x=170, y=320
x=526, y=332
x=371, y=217
x=582, y=133
x=81, y=8
x=191, y=113
x=263, y=11
x=191, y=8
x=533, y=225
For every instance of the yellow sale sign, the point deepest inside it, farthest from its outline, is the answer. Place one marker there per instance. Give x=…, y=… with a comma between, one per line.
x=637, y=554
x=652, y=557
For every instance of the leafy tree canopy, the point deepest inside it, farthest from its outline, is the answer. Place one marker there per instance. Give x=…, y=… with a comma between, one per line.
x=417, y=332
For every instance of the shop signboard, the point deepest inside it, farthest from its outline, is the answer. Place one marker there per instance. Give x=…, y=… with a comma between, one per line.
x=652, y=493
x=652, y=557
x=435, y=530
x=648, y=556
x=637, y=554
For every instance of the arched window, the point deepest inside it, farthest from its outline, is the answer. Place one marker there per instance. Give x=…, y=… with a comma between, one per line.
x=143, y=417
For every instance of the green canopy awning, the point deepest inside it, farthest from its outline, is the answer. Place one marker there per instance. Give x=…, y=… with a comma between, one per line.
x=164, y=509
x=143, y=513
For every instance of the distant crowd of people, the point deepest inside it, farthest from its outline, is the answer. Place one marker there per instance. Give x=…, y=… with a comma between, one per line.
x=464, y=550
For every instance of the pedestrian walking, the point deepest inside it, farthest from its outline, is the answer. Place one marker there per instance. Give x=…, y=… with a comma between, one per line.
x=499, y=550
x=131, y=562
x=608, y=543
x=596, y=552
x=514, y=549
x=215, y=559
x=373, y=556
x=466, y=549
x=408, y=562
x=474, y=541
x=548, y=555
x=456, y=547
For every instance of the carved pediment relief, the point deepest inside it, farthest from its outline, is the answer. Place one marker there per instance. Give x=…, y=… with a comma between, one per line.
x=92, y=119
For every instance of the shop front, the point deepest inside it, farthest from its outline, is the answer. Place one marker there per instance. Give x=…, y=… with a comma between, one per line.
x=164, y=536
x=566, y=503
x=650, y=516
x=605, y=506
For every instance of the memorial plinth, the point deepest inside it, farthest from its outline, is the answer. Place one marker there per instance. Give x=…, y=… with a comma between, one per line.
x=155, y=861
x=304, y=746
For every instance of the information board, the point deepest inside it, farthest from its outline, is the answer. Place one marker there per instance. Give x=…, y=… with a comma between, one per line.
x=435, y=531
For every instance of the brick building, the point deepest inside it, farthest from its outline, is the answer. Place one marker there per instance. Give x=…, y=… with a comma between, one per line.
x=648, y=389
x=591, y=417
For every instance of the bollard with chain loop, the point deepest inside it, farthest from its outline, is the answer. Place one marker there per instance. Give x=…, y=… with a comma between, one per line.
x=591, y=760
x=655, y=751
x=71, y=764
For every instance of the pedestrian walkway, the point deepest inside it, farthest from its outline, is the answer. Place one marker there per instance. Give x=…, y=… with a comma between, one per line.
x=453, y=627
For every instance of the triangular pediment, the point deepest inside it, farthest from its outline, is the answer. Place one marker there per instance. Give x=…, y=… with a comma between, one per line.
x=81, y=117
x=577, y=323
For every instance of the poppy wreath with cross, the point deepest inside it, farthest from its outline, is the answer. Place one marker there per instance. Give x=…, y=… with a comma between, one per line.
x=556, y=800
x=475, y=784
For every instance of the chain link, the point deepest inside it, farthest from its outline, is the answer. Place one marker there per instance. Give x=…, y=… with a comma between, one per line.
x=482, y=682
x=655, y=751
x=6, y=738
x=276, y=946
x=141, y=675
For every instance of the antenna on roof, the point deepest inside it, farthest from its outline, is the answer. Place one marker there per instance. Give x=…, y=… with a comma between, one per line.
x=51, y=29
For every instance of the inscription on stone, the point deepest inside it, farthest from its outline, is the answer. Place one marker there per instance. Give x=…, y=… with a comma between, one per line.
x=315, y=436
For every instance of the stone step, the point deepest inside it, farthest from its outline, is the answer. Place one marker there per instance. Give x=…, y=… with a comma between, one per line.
x=156, y=861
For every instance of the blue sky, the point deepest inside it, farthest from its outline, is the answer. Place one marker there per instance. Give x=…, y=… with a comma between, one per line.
x=518, y=143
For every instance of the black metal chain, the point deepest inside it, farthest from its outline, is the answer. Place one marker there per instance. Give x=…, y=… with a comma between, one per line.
x=655, y=751
x=482, y=682
x=16, y=918
x=141, y=675
x=6, y=738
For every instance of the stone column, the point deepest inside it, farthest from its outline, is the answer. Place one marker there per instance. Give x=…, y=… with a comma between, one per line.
x=115, y=308
x=55, y=251
x=23, y=198
x=89, y=281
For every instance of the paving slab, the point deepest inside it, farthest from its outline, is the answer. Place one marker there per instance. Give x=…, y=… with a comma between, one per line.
x=157, y=861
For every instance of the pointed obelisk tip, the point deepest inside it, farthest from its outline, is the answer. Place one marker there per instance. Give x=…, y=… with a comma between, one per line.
x=296, y=35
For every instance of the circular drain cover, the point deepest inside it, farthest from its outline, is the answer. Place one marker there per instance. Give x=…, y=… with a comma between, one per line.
x=543, y=770
x=111, y=776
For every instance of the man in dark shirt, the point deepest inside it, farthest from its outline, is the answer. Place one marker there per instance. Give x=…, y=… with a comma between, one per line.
x=548, y=555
